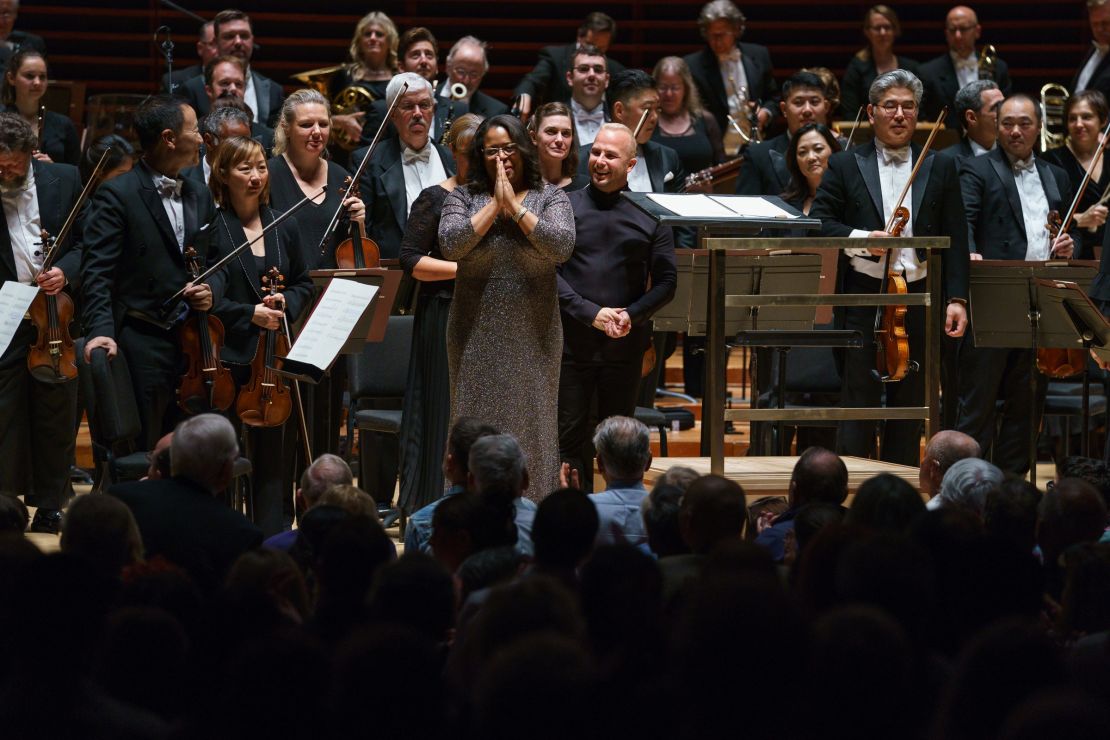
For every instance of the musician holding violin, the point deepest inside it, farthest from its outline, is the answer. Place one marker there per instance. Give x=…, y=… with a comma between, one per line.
x=1009, y=196
x=252, y=315
x=38, y=403
x=858, y=197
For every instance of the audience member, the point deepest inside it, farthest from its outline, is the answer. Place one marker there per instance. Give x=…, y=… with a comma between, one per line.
x=325, y=471
x=942, y=451
x=1070, y=513
x=352, y=500
x=1010, y=513
x=499, y=472
x=712, y=511
x=102, y=530
x=660, y=512
x=819, y=475
x=13, y=515
x=966, y=485
x=563, y=534
x=885, y=503
x=623, y=449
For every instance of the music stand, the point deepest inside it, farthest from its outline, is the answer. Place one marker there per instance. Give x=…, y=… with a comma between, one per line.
x=371, y=328
x=1009, y=311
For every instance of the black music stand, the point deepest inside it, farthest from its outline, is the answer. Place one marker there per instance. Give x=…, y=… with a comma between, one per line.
x=1012, y=310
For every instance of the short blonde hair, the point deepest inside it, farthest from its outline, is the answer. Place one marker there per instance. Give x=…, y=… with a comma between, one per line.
x=304, y=96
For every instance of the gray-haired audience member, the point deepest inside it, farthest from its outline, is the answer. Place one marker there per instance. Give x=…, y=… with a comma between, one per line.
x=498, y=466
x=966, y=485
x=623, y=456
x=942, y=451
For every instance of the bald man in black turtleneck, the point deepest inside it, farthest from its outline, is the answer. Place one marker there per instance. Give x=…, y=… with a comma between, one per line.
x=622, y=272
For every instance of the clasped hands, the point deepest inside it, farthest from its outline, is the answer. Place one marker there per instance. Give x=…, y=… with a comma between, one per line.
x=615, y=322
x=503, y=193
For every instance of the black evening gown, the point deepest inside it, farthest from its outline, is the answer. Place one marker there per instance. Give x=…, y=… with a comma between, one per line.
x=1088, y=240
x=426, y=418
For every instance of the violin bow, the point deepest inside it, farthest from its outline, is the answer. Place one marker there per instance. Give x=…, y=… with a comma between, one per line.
x=852, y=131
x=920, y=161
x=1066, y=224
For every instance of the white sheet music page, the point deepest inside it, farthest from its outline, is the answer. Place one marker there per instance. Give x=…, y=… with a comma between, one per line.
x=332, y=322
x=750, y=206
x=15, y=299
x=692, y=205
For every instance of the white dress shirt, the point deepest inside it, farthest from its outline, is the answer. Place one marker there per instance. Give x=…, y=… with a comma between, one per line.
x=967, y=68
x=587, y=122
x=978, y=149
x=1034, y=208
x=422, y=169
x=21, y=210
x=734, y=78
x=207, y=169
x=1089, y=68
x=895, y=166
x=250, y=96
x=639, y=181
x=175, y=209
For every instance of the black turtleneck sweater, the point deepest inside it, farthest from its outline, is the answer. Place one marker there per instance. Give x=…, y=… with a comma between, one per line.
x=617, y=249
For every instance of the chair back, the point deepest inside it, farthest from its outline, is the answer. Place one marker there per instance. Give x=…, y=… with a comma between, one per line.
x=381, y=370
x=109, y=398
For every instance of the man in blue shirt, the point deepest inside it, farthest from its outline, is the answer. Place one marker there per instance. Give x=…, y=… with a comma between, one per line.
x=623, y=456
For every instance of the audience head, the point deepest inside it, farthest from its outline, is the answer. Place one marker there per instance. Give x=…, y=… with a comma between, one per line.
x=612, y=157
x=351, y=499
x=943, y=451
x=679, y=476
x=564, y=530
x=713, y=510
x=631, y=93
x=102, y=530
x=13, y=515
x=808, y=521
x=597, y=29
x=886, y=503
x=234, y=36
x=160, y=458
x=168, y=133
x=1071, y=512
x=660, y=510
x=268, y=586
x=1010, y=513
x=418, y=52
x=966, y=485
x=414, y=591
x=497, y=463
x=1094, y=471
x=325, y=471
x=623, y=447
x=464, y=433
x=204, y=449
x=819, y=475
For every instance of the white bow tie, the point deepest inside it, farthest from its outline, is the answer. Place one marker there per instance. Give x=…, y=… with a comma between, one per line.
x=969, y=63
x=409, y=155
x=895, y=156
x=1027, y=165
x=594, y=117
x=168, y=187
x=732, y=56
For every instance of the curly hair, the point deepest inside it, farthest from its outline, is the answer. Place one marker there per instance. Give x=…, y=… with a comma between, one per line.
x=479, y=179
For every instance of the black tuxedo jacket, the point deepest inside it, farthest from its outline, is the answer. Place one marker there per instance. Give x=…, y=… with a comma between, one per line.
x=479, y=104
x=57, y=187
x=1100, y=80
x=181, y=76
x=706, y=71
x=188, y=526
x=764, y=169
x=547, y=82
x=383, y=191
x=941, y=85
x=993, y=205
x=268, y=92
x=958, y=152
x=664, y=166
x=131, y=260
x=242, y=294
x=445, y=109
x=850, y=197
x=21, y=39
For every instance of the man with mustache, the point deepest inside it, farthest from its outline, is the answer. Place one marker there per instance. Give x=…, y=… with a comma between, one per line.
x=605, y=297
x=856, y=199
x=404, y=165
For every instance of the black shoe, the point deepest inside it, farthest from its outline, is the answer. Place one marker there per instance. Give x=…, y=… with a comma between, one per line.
x=79, y=475
x=47, y=521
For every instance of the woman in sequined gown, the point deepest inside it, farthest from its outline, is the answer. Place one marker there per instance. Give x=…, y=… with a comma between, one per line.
x=508, y=231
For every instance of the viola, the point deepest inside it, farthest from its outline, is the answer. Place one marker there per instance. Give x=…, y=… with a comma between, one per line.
x=357, y=250
x=265, y=400
x=52, y=358
x=1059, y=363
x=892, y=341
x=206, y=385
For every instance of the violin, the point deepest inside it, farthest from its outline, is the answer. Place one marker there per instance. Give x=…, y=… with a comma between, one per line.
x=206, y=385
x=1059, y=363
x=265, y=400
x=52, y=358
x=357, y=250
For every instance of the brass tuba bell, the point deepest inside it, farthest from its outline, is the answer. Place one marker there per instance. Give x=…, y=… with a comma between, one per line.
x=1054, y=129
x=988, y=61
x=351, y=99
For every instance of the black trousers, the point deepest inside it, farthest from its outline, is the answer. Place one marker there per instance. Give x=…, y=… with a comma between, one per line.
x=155, y=362
x=588, y=393
x=37, y=435
x=901, y=440
x=987, y=377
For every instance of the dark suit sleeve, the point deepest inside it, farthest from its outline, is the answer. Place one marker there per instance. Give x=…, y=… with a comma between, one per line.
x=70, y=260
x=298, y=285
x=104, y=244
x=536, y=82
x=1002, y=77
x=750, y=182
x=206, y=211
x=664, y=277
x=574, y=305
x=955, y=258
x=972, y=187
x=72, y=144
x=851, y=97
x=767, y=84
x=832, y=198
x=674, y=165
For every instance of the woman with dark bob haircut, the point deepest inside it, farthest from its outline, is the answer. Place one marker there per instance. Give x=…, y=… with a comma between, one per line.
x=807, y=158
x=508, y=230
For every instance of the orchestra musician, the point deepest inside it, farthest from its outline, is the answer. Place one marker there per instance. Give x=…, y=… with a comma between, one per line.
x=547, y=82
x=11, y=40
x=37, y=438
x=856, y=198
x=220, y=124
x=959, y=66
x=1086, y=113
x=400, y=168
x=588, y=79
x=467, y=66
x=226, y=77
x=373, y=62
x=138, y=227
x=25, y=83
x=1094, y=71
x=976, y=107
x=235, y=37
x=684, y=124
x=552, y=131
x=729, y=69
x=881, y=28
x=1008, y=194
x=765, y=170
x=621, y=272
x=240, y=185
x=807, y=158
x=206, y=52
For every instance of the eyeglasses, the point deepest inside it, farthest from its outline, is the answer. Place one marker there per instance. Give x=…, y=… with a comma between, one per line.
x=885, y=28
x=960, y=29
x=670, y=89
x=464, y=74
x=495, y=152
x=424, y=106
x=890, y=108
x=585, y=69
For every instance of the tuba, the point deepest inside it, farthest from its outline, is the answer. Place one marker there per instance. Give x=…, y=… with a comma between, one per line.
x=988, y=61
x=351, y=99
x=1054, y=128
x=738, y=129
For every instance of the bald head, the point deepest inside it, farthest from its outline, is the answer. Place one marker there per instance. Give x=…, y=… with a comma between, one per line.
x=961, y=30
x=819, y=476
x=943, y=451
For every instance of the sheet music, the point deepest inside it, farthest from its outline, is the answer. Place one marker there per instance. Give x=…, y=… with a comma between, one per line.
x=751, y=206
x=15, y=299
x=691, y=205
x=332, y=322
